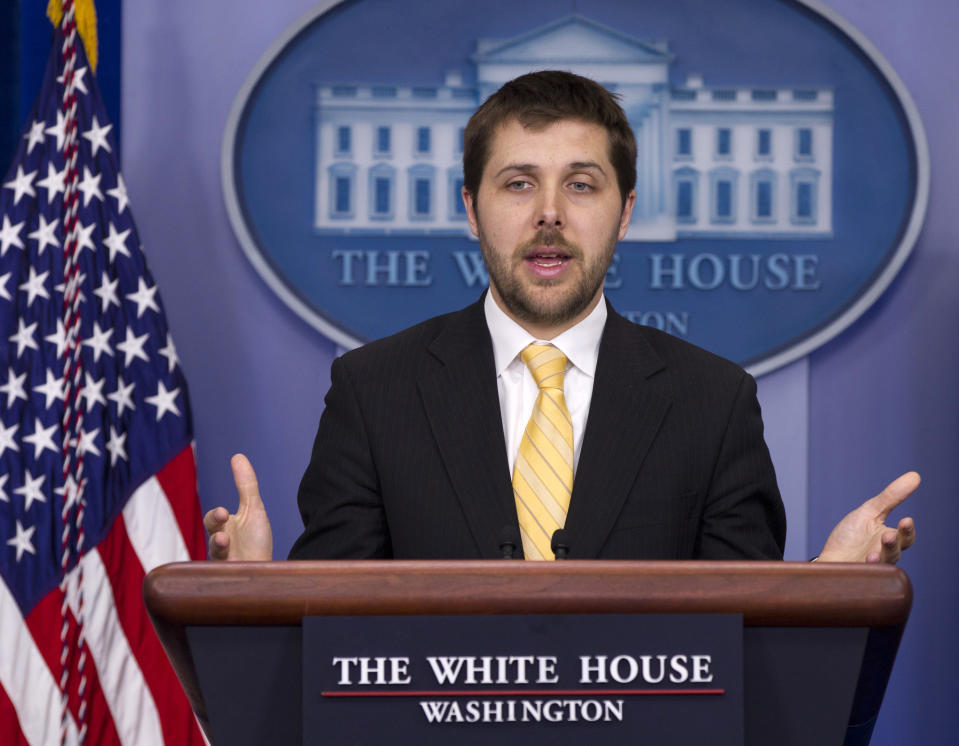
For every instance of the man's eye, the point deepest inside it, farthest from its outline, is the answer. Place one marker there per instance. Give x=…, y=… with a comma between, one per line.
x=519, y=185
x=580, y=186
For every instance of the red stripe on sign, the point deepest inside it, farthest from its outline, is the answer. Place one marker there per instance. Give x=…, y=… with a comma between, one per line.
x=44, y=623
x=525, y=693
x=10, y=732
x=178, y=481
x=126, y=578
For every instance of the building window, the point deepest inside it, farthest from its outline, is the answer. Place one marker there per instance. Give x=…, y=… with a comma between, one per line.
x=764, y=143
x=723, y=183
x=382, y=141
x=421, y=205
x=686, y=180
x=342, y=194
x=344, y=140
x=684, y=200
x=422, y=140
x=804, y=195
x=457, y=209
x=763, y=196
x=421, y=192
x=724, y=142
x=804, y=150
x=341, y=190
x=684, y=143
x=382, y=180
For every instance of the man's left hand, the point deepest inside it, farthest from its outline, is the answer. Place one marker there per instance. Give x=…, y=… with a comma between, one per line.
x=863, y=536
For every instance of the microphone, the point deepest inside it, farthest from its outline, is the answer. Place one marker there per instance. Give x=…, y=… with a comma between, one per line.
x=560, y=543
x=508, y=540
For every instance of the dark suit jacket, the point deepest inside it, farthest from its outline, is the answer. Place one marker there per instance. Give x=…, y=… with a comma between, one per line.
x=410, y=459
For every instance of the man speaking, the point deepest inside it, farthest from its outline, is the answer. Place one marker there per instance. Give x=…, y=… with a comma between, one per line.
x=539, y=408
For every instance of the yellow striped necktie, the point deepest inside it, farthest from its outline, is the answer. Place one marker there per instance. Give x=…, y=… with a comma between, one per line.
x=543, y=474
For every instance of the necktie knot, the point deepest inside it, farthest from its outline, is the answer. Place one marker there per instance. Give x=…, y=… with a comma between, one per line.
x=547, y=365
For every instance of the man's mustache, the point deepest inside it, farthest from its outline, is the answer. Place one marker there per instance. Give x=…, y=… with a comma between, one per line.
x=551, y=239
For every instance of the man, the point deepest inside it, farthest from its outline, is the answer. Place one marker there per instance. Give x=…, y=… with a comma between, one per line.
x=539, y=407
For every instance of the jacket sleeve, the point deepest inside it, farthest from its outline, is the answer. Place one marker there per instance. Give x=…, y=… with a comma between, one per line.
x=743, y=517
x=339, y=497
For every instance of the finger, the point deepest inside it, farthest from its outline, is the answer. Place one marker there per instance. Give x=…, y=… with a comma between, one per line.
x=219, y=546
x=890, y=549
x=246, y=485
x=907, y=533
x=214, y=520
x=895, y=493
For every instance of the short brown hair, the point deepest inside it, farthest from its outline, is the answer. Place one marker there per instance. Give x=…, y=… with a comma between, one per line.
x=539, y=99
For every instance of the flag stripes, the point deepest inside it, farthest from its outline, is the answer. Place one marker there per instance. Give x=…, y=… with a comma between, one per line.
x=127, y=706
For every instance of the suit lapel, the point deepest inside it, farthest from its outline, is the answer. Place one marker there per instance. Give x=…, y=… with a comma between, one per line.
x=627, y=407
x=462, y=406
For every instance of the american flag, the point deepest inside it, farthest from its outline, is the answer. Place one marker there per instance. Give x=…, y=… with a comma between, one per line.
x=97, y=476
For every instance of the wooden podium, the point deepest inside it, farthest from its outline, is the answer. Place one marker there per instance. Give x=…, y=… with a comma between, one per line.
x=819, y=640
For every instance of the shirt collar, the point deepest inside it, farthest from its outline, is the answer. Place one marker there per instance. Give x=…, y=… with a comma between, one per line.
x=580, y=343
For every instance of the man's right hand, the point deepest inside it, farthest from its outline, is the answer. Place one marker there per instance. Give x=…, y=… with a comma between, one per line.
x=246, y=534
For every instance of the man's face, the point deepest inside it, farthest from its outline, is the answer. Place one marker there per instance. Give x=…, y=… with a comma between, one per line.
x=548, y=214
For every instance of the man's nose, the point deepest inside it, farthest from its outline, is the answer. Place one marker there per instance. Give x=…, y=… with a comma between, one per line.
x=549, y=213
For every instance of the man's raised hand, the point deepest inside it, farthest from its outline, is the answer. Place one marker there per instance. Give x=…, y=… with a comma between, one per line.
x=863, y=536
x=246, y=534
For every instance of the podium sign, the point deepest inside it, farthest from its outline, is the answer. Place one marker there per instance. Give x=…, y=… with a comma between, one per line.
x=576, y=678
x=818, y=641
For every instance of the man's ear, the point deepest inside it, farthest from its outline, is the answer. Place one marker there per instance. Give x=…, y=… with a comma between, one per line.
x=627, y=213
x=470, y=203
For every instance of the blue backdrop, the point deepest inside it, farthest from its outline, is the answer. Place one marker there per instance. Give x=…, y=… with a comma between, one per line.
x=879, y=399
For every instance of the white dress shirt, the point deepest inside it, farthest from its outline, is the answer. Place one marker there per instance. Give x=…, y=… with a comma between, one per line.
x=515, y=384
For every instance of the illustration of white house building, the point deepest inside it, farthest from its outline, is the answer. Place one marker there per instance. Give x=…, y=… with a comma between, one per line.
x=713, y=162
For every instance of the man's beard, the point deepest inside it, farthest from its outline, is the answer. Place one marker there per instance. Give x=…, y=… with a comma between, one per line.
x=559, y=307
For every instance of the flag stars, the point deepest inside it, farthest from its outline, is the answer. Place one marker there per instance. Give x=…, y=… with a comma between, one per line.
x=97, y=136
x=100, y=342
x=169, y=352
x=116, y=242
x=35, y=286
x=122, y=397
x=59, y=130
x=4, y=497
x=10, y=235
x=86, y=442
x=32, y=490
x=34, y=136
x=4, y=293
x=76, y=281
x=24, y=337
x=7, y=439
x=70, y=493
x=92, y=392
x=54, y=183
x=107, y=293
x=132, y=347
x=14, y=388
x=45, y=234
x=21, y=541
x=58, y=338
x=143, y=297
x=164, y=400
x=52, y=389
x=42, y=439
x=22, y=184
x=116, y=446
x=120, y=193
x=78, y=81
x=85, y=237
x=90, y=186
